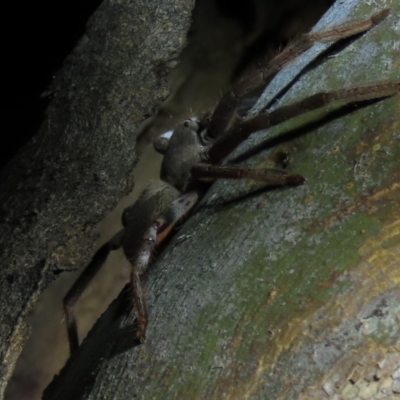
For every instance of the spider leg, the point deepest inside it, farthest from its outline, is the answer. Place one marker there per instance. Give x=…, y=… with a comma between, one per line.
x=139, y=266
x=225, y=111
x=81, y=283
x=337, y=32
x=272, y=176
x=226, y=143
x=156, y=233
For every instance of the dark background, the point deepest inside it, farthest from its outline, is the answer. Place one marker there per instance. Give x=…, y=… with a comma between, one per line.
x=38, y=36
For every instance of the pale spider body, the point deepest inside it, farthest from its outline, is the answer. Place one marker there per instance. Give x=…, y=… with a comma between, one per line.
x=194, y=153
x=182, y=152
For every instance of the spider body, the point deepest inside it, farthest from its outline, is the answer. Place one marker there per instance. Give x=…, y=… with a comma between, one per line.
x=194, y=153
x=139, y=216
x=182, y=152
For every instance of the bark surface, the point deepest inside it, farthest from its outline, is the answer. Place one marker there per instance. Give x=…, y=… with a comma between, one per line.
x=78, y=165
x=292, y=293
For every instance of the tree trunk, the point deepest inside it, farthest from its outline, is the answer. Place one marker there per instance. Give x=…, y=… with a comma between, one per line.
x=78, y=165
x=291, y=293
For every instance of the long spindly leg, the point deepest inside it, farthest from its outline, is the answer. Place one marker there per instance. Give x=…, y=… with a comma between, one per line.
x=337, y=32
x=226, y=143
x=224, y=113
x=271, y=176
x=139, y=266
x=156, y=233
x=81, y=283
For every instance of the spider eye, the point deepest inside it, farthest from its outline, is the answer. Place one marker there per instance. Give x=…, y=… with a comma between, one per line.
x=186, y=124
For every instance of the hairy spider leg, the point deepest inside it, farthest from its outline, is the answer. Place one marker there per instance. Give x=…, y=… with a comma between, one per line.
x=226, y=109
x=156, y=233
x=271, y=176
x=226, y=143
x=81, y=283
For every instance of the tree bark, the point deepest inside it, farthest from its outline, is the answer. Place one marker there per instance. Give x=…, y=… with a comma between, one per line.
x=78, y=165
x=291, y=293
